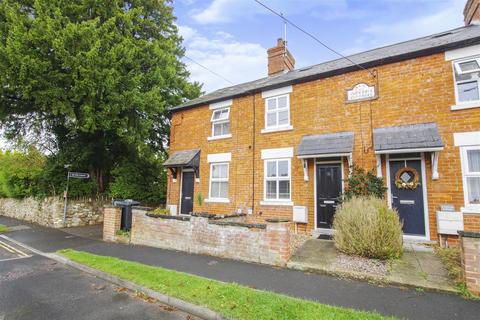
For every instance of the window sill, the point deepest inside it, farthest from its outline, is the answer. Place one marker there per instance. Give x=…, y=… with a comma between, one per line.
x=470, y=210
x=277, y=129
x=217, y=200
x=226, y=136
x=276, y=203
x=467, y=105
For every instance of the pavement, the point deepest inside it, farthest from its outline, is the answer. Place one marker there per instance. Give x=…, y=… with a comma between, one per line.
x=404, y=303
x=418, y=267
x=35, y=287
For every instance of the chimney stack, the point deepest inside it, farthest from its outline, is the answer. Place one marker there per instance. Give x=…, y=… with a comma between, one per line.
x=280, y=59
x=471, y=12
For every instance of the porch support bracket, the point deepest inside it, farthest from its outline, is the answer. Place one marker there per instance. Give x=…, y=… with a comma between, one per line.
x=305, y=169
x=379, y=165
x=174, y=174
x=350, y=164
x=434, y=159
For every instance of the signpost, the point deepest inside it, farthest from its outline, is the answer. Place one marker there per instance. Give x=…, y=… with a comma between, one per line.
x=73, y=175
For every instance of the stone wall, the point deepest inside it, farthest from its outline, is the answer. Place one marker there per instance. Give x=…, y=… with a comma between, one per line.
x=470, y=248
x=49, y=211
x=267, y=243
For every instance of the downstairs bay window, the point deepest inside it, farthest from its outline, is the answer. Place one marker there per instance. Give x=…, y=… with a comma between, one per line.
x=218, y=182
x=277, y=180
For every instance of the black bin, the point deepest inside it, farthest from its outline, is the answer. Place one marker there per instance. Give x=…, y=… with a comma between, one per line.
x=126, y=205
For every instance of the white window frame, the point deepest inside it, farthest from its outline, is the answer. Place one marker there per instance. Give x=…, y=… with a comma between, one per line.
x=277, y=127
x=277, y=179
x=220, y=121
x=456, y=67
x=466, y=174
x=218, y=199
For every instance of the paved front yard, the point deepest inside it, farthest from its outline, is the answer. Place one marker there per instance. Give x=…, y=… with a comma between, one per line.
x=416, y=268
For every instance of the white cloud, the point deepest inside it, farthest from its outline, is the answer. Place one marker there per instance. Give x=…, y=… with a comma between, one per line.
x=223, y=11
x=222, y=53
x=448, y=16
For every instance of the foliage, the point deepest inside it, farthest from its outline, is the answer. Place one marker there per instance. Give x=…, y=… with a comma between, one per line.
x=363, y=183
x=142, y=179
x=231, y=300
x=91, y=81
x=199, y=199
x=122, y=233
x=20, y=173
x=366, y=227
x=161, y=211
x=3, y=228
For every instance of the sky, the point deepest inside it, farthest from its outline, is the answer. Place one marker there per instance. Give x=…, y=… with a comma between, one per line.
x=231, y=37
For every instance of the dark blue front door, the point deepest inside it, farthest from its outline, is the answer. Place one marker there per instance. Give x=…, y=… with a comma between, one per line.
x=408, y=202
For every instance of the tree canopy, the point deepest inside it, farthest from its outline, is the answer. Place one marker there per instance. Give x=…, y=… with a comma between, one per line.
x=91, y=79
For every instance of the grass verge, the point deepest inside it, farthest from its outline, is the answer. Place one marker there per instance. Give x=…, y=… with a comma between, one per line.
x=3, y=228
x=229, y=299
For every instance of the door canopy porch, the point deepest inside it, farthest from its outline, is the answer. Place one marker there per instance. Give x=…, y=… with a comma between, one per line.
x=183, y=159
x=339, y=144
x=422, y=137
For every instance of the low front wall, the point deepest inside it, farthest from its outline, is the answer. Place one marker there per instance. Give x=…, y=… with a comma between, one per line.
x=49, y=211
x=470, y=253
x=268, y=243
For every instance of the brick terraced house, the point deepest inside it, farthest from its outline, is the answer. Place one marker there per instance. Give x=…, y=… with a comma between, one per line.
x=282, y=146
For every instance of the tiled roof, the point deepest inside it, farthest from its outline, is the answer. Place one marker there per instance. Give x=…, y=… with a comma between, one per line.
x=181, y=158
x=456, y=38
x=324, y=144
x=413, y=136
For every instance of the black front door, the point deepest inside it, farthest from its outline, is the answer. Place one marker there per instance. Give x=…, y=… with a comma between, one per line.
x=187, y=192
x=409, y=202
x=329, y=187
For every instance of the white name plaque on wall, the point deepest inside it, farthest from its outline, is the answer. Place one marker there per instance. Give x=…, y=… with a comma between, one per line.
x=361, y=92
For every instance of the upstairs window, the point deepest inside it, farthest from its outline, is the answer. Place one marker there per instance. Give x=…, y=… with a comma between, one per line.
x=220, y=122
x=277, y=112
x=467, y=76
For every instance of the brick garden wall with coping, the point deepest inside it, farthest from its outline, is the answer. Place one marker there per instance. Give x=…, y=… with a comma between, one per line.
x=470, y=252
x=268, y=243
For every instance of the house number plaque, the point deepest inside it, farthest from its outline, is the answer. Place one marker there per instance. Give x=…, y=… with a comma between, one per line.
x=361, y=92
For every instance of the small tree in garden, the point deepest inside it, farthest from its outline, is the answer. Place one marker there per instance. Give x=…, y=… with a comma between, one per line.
x=363, y=183
x=367, y=227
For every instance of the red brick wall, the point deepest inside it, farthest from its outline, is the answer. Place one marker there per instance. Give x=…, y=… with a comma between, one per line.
x=470, y=248
x=415, y=91
x=269, y=246
x=471, y=222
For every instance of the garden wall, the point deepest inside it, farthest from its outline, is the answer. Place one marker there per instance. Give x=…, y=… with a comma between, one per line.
x=267, y=243
x=49, y=211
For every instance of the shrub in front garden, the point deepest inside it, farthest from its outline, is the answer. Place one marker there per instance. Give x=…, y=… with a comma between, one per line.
x=365, y=226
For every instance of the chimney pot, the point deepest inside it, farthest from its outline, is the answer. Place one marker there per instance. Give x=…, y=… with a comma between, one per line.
x=279, y=58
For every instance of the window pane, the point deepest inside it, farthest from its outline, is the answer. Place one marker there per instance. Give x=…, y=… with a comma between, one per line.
x=223, y=186
x=473, y=185
x=271, y=190
x=284, y=189
x=271, y=104
x=283, y=168
x=473, y=160
x=226, y=128
x=216, y=115
x=215, y=190
x=223, y=170
x=271, y=169
x=467, y=91
x=283, y=117
x=271, y=119
x=215, y=171
x=468, y=65
x=282, y=102
x=217, y=129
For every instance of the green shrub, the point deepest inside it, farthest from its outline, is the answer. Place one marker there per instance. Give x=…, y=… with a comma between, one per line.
x=366, y=227
x=363, y=183
x=161, y=211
